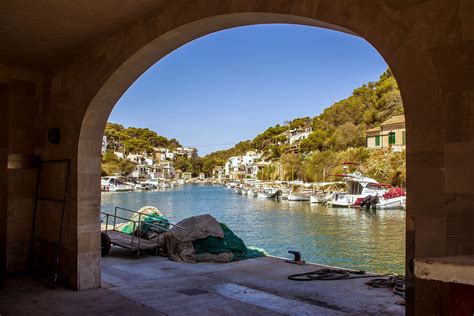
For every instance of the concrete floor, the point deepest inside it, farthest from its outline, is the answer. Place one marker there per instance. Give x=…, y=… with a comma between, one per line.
x=155, y=285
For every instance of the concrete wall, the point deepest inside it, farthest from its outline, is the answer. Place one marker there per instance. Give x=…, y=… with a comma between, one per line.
x=429, y=46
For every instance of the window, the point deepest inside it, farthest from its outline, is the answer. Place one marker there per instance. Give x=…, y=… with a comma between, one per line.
x=403, y=137
x=377, y=140
x=391, y=138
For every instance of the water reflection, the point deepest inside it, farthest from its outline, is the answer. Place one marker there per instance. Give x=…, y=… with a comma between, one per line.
x=357, y=239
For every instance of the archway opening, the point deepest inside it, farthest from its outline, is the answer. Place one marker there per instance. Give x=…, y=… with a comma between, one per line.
x=313, y=151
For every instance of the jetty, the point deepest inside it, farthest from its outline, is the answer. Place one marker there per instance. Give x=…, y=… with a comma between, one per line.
x=156, y=285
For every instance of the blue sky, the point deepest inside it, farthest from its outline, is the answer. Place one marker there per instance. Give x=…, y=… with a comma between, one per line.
x=231, y=85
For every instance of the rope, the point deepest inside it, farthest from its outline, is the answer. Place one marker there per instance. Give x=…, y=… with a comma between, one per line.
x=331, y=275
x=397, y=283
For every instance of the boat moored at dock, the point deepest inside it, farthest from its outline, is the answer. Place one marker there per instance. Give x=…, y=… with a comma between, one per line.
x=115, y=184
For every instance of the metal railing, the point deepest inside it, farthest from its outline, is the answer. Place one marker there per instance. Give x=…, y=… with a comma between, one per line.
x=136, y=228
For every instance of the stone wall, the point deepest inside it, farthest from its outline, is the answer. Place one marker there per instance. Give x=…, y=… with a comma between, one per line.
x=21, y=94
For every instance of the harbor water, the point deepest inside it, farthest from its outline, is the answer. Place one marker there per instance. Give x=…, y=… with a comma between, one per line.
x=351, y=238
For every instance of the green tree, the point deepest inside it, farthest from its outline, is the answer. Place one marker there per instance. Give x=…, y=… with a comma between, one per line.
x=183, y=164
x=291, y=164
x=126, y=167
x=266, y=173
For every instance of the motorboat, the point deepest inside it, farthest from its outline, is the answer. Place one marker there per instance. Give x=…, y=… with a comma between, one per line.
x=359, y=187
x=388, y=197
x=114, y=184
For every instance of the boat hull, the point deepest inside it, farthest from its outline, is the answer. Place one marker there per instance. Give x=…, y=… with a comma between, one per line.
x=298, y=198
x=394, y=203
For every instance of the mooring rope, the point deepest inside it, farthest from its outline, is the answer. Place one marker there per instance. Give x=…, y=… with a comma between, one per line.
x=396, y=282
x=332, y=274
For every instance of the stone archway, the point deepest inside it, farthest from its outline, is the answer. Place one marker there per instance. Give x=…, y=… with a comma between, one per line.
x=104, y=72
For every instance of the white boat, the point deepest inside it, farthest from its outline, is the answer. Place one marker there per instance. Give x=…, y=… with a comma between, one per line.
x=359, y=188
x=269, y=193
x=298, y=197
x=114, y=184
x=393, y=203
x=388, y=197
x=323, y=191
x=263, y=195
x=320, y=197
x=299, y=193
x=142, y=186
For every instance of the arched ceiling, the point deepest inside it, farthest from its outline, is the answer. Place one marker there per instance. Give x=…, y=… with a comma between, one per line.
x=39, y=33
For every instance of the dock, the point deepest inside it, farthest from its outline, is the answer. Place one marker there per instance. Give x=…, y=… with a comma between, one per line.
x=157, y=286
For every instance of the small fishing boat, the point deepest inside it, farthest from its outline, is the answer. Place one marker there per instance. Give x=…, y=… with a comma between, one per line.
x=253, y=192
x=299, y=193
x=269, y=193
x=323, y=191
x=114, y=184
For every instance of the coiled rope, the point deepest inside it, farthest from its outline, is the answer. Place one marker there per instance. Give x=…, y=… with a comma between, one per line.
x=332, y=274
x=396, y=282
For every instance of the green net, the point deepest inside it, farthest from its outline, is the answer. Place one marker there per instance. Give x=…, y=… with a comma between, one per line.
x=156, y=220
x=145, y=221
x=230, y=243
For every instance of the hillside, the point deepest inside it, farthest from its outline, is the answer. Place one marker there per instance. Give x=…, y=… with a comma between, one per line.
x=130, y=140
x=341, y=126
x=135, y=140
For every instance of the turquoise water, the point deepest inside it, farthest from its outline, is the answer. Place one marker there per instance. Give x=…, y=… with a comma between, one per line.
x=350, y=238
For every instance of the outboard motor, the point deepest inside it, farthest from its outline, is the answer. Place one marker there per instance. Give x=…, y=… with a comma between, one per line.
x=366, y=202
x=277, y=195
x=369, y=202
x=373, y=201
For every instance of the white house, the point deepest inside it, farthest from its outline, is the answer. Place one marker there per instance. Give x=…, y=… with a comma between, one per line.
x=298, y=134
x=166, y=169
x=141, y=159
x=218, y=172
x=185, y=151
x=250, y=157
x=242, y=167
x=144, y=171
x=119, y=154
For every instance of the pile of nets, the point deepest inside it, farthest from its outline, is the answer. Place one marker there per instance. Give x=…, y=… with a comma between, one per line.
x=198, y=238
x=202, y=238
x=230, y=243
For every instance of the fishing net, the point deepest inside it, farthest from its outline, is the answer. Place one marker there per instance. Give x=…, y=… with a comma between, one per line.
x=147, y=219
x=230, y=243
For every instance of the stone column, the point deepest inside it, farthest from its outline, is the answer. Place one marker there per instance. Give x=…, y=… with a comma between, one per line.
x=21, y=100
